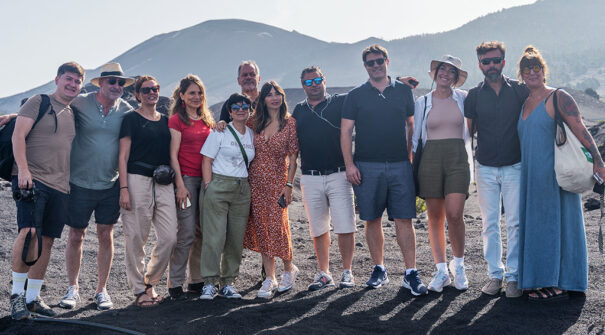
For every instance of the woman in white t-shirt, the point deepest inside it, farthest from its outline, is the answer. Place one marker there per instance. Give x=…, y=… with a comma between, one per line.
x=226, y=200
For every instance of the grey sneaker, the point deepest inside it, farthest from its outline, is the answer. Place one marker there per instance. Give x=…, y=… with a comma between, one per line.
x=440, y=280
x=103, y=300
x=266, y=291
x=322, y=280
x=39, y=307
x=288, y=279
x=347, y=280
x=459, y=272
x=229, y=292
x=208, y=292
x=71, y=298
x=512, y=290
x=18, y=309
x=493, y=286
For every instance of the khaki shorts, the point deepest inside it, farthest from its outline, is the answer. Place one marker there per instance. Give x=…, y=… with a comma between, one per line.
x=444, y=169
x=328, y=198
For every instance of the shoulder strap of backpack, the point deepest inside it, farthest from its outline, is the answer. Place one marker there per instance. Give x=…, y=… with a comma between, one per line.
x=241, y=147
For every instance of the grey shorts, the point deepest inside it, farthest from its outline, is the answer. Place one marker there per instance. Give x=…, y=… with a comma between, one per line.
x=385, y=185
x=444, y=169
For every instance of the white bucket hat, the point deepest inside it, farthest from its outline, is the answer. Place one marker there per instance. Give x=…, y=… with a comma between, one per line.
x=453, y=61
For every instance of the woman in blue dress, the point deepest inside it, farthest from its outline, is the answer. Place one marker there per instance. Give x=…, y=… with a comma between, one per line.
x=552, y=255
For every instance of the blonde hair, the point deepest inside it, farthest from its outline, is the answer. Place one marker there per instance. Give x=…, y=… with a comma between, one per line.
x=531, y=56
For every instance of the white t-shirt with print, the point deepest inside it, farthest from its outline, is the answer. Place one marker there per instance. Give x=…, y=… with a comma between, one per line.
x=223, y=148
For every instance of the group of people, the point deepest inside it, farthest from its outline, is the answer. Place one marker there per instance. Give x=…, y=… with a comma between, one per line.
x=211, y=188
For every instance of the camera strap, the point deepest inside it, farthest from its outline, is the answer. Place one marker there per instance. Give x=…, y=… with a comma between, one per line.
x=28, y=238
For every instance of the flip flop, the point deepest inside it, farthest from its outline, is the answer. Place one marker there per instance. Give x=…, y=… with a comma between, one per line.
x=548, y=295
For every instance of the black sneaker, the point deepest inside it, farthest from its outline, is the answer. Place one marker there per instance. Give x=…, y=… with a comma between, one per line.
x=379, y=277
x=413, y=283
x=176, y=292
x=18, y=309
x=39, y=307
x=195, y=287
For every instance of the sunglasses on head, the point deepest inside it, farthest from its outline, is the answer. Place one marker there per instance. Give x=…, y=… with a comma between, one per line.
x=236, y=107
x=147, y=90
x=379, y=61
x=310, y=82
x=495, y=60
x=113, y=81
x=527, y=69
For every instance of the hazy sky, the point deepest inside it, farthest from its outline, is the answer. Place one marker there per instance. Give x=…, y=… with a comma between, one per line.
x=38, y=36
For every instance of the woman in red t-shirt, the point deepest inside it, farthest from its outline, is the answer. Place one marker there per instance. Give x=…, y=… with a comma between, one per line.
x=190, y=124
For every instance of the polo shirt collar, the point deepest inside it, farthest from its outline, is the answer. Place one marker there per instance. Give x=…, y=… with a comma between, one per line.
x=392, y=82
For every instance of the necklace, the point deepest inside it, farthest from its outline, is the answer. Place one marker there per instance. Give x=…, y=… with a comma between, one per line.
x=194, y=118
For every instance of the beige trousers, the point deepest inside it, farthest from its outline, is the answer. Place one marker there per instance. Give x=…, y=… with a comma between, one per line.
x=145, y=211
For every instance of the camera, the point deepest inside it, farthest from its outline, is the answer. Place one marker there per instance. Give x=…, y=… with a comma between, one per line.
x=25, y=195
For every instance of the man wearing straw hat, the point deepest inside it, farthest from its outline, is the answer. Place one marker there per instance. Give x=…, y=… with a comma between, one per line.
x=93, y=180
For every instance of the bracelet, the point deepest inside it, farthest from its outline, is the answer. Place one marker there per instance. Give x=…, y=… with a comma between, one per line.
x=289, y=184
x=123, y=187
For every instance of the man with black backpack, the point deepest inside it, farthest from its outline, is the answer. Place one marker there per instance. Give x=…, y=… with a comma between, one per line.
x=42, y=140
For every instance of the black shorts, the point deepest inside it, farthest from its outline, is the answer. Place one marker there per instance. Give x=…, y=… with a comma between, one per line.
x=83, y=201
x=49, y=210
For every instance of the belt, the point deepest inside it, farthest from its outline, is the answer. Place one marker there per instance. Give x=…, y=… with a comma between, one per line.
x=323, y=172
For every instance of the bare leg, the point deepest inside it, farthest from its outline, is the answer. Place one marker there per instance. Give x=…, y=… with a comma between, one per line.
x=73, y=254
x=346, y=245
x=38, y=270
x=454, y=208
x=269, y=265
x=435, y=208
x=17, y=263
x=104, y=255
x=406, y=238
x=322, y=250
x=375, y=239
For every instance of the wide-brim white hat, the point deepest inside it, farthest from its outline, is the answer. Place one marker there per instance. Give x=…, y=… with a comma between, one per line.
x=453, y=61
x=112, y=70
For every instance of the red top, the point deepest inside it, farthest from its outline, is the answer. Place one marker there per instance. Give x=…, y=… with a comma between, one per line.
x=192, y=140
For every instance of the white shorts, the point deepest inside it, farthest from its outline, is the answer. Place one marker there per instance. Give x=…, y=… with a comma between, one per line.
x=328, y=198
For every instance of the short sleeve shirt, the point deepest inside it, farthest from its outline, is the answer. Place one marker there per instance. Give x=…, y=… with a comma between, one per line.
x=94, y=153
x=47, y=150
x=495, y=117
x=318, y=132
x=380, y=121
x=150, y=142
x=193, y=137
x=226, y=153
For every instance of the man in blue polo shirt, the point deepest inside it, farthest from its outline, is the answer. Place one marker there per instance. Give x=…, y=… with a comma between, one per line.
x=327, y=195
x=382, y=113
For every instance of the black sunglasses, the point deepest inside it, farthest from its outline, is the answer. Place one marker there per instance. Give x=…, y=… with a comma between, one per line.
x=495, y=60
x=120, y=81
x=379, y=61
x=147, y=90
x=310, y=82
x=236, y=107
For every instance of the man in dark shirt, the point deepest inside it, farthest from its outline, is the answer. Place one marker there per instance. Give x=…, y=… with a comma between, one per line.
x=493, y=109
x=248, y=77
x=327, y=195
x=380, y=111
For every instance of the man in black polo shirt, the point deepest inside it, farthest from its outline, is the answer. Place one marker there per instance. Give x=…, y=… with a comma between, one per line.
x=327, y=195
x=380, y=111
x=493, y=107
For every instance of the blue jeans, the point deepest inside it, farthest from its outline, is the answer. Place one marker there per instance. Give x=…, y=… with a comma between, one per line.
x=493, y=185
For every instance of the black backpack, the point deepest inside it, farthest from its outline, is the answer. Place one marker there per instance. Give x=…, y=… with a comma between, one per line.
x=7, y=159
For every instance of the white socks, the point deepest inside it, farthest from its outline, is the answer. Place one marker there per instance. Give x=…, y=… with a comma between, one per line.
x=407, y=271
x=459, y=261
x=33, y=289
x=18, y=283
x=442, y=267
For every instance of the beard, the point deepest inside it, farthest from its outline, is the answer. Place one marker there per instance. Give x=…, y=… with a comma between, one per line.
x=492, y=74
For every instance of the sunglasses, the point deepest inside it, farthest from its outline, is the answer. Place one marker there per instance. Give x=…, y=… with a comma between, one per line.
x=495, y=60
x=379, y=61
x=147, y=90
x=310, y=82
x=526, y=70
x=113, y=81
x=236, y=108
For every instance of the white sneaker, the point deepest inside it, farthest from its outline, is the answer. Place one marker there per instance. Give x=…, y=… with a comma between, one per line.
x=71, y=298
x=103, y=300
x=288, y=279
x=440, y=280
x=459, y=272
x=266, y=291
x=208, y=292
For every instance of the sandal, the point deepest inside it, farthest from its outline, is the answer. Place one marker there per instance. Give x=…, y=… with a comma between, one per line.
x=153, y=302
x=547, y=295
x=156, y=297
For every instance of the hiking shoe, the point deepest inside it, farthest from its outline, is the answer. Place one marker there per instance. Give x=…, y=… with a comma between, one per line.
x=512, y=290
x=103, y=300
x=347, y=280
x=176, y=292
x=413, y=283
x=266, y=291
x=208, y=292
x=18, y=309
x=378, y=278
x=288, y=279
x=71, y=298
x=195, y=287
x=39, y=307
x=229, y=292
x=322, y=280
x=459, y=272
x=440, y=280
x=493, y=286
